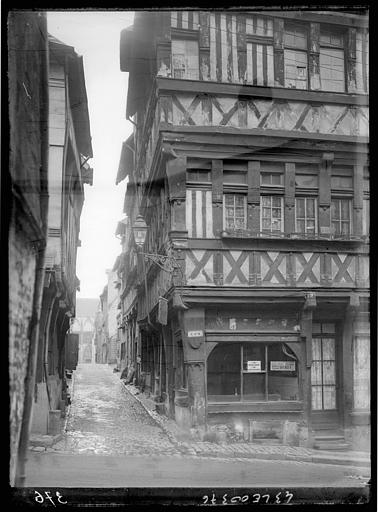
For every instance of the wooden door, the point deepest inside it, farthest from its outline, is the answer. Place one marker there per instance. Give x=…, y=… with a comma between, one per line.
x=324, y=377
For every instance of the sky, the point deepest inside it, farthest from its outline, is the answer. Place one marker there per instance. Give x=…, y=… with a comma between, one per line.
x=95, y=35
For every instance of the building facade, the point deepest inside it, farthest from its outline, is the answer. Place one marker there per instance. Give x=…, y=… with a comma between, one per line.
x=249, y=163
x=26, y=212
x=69, y=150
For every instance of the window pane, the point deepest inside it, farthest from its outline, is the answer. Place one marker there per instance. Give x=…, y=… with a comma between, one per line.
x=295, y=69
x=185, y=59
x=329, y=394
x=316, y=401
x=254, y=386
x=252, y=353
x=301, y=228
x=300, y=205
x=345, y=209
x=335, y=205
x=329, y=372
x=265, y=201
x=295, y=36
x=316, y=347
x=332, y=75
x=276, y=201
x=310, y=207
x=276, y=179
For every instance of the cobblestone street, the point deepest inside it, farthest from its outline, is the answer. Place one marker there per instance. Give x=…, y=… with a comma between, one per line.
x=105, y=418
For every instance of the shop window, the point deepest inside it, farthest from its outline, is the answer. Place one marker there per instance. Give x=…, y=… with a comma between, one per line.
x=235, y=211
x=272, y=214
x=341, y=216
x=185, y=60
x=295, y=56
x=252, y=372
x=361, y=372
x=306, y=215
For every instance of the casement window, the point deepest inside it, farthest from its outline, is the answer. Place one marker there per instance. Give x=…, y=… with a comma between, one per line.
x=271, y=213
x=235, y=211
x=185, y=59
x=361, y=372
x=306, y=215
x=332, y=67
x=341, y=216
x=252, y=372
x=295, y=56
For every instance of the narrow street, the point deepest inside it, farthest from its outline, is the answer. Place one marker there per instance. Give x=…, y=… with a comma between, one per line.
x=111, y=441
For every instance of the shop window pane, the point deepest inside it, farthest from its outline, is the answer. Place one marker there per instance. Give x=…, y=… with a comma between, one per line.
x=254, y=356
x=223, y=372
x=254, y=386
x=361, y=372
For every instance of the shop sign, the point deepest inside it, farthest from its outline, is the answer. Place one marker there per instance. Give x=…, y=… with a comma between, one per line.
x=285, y=366
x=254, y=366
x=195, y=334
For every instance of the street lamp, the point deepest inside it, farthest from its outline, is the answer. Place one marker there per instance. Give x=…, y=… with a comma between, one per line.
x=167, y=263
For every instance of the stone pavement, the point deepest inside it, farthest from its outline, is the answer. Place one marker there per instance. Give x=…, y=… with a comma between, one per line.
x=247, y=450
x=110, y=418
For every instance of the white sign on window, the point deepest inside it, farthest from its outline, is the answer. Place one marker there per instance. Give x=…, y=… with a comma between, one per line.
x=195, y=334
x=285, y=366
x=254, y=366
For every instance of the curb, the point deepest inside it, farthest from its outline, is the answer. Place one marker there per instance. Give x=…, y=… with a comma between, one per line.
x=316, y=459
x=169, y=434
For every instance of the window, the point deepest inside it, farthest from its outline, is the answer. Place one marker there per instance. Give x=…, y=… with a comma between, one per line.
x=267, y=178
x=185, y=60
x=341, y=216
x=305, y=215
x=235, y=211
x=260, y=64
x=306, y=180
x=252, y=372
x=198, y=175
x=295, y=57
x=332, y=72
x=271, y=213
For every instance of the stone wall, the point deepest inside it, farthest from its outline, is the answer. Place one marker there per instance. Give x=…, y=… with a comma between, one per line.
x=22, y=265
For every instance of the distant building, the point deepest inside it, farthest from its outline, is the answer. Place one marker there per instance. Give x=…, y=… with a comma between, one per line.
x=249, y=163
x=84, y=325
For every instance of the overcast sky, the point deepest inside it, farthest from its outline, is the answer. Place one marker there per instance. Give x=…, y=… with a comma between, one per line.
x=95, y=35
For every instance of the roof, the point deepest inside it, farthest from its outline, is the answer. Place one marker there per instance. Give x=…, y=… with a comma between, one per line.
x=86, y=307
x=77, y=90
x=126, y=161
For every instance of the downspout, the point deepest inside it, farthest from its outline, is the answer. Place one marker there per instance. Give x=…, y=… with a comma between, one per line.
x=40, y=270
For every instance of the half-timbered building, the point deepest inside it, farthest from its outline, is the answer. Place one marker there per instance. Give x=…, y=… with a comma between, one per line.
x=249, y=164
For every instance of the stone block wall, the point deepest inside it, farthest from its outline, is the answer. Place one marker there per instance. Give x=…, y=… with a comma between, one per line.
x=22, y=266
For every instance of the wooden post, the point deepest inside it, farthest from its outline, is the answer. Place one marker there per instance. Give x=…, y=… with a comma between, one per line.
x=278, y=47
x=289, y=198
x=351, y=61
x=325, y=194
x=217, y=195
x=314, y=56
x=253, y=200
x=204, y=45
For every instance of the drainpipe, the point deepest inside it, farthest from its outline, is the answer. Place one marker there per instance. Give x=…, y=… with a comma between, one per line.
x=40, y=270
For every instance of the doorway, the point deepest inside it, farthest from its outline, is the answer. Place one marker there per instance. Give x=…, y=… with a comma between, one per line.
x=324, y=385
